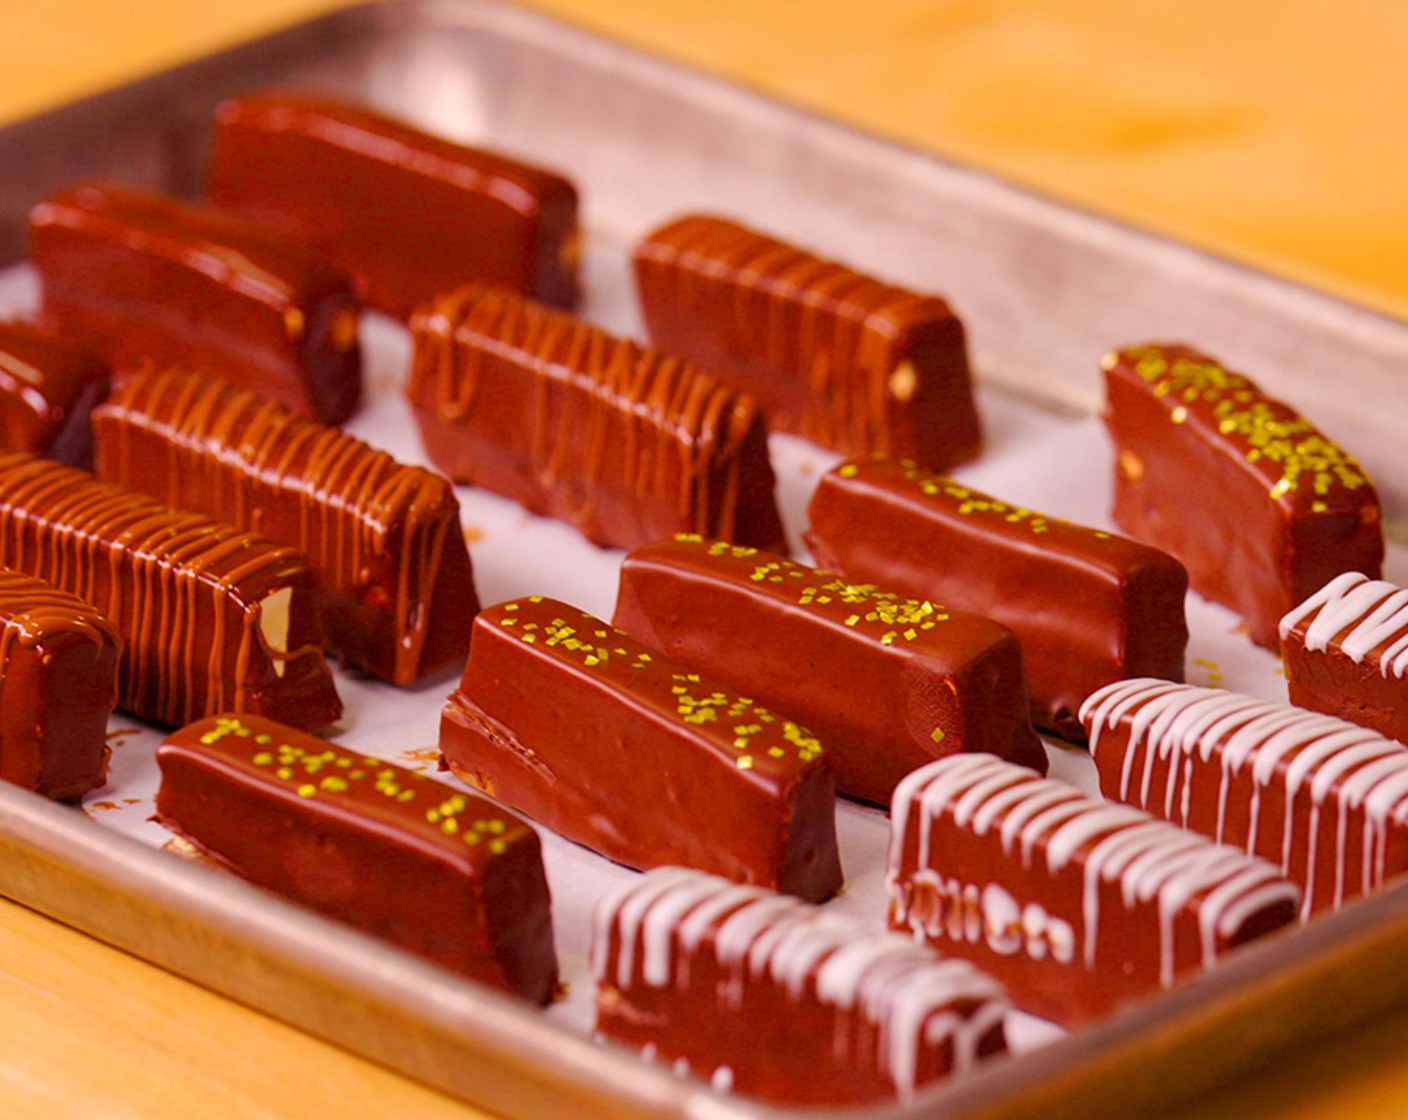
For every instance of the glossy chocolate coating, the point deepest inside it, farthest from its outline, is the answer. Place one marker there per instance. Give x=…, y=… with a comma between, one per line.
x=887, y=683
x=408, y=214
x=145, y=278
x=1343, y=652
x=48, y=388
x=442, y=873
x=626, y=752
x=1089, y=607
x=1261, y=507
x=385, y=539
x=771, y=998
x=58, y=685
x=212, y=618
x=1324, y=800
x=624, y=443
x=1075, y=905
x=847, y=361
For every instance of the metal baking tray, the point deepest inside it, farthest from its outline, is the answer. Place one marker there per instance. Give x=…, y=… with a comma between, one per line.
x=1045, y=290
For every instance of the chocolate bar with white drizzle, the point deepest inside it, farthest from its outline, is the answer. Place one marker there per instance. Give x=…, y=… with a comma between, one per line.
x=1325, y=800
x=748, y=989
x=1345, y=652
x=1076, y=906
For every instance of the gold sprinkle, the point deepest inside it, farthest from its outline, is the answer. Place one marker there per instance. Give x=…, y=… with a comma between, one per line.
x=307, y=790
x=333, y=784
x=263, y=758
x=745, y=762
x=498, y=847
x=937, y=735
x=284, y=772
x=847, y=470
x=1179, y=415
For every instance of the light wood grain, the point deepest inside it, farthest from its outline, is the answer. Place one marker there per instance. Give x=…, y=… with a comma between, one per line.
x=1269, y=130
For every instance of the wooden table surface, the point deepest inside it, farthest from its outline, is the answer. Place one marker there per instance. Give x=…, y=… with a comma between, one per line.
x=1269, y=130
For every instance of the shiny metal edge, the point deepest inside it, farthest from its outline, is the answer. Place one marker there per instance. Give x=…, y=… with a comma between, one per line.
x=1045, y=287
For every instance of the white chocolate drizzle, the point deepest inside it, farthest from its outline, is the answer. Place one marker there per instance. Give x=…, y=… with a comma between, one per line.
x=649, y=930
x=1365, y=614
x=1335, y=766
x=1050, y=826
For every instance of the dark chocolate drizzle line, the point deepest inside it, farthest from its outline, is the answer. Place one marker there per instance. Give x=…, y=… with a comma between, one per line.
x=167, y=578
x=350, y=495
x=675, y=431
x=825, y=324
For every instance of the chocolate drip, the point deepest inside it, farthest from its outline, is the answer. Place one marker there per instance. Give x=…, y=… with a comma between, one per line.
x=385, y=539
x=845, y=360
x=212, y=618
x=627, y=444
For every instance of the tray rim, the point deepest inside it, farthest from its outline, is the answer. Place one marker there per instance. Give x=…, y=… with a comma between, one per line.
x=140, y=881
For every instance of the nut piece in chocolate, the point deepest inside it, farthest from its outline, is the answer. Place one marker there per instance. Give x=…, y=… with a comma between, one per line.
x=888, y=683
x=408, y=214
x=444, y=874
x=394, y=575
x=1261, y=508
x=848, y=362
x=58, y=685
x=1076, y=906
x=627, y=444
x=1324, y=800
x=142, y=277
x=771, y=998
x=1089, y=607
x=626, y=752
x=212, y=618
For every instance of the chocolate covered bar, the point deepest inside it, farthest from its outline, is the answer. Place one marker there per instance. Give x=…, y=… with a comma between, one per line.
x=769, y=997
x=394, y=575
x=1089, y=607
x=626, y=752
x=58, y=684
x=1325, y=800
x=887, y=683
x=48, y=388
x=142, y=277
x=444, y=874
x=624, y=443
x=842, y=359
x=408, y=214
x=1260, y=506
x=1076, y=906
x=1345, y=652
x=212, y=618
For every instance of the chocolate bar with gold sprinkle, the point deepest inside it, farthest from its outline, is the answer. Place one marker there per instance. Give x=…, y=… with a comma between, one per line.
x=1089, y=607
x=1261, y=507
x=888, y=683
x=618, y=748
x=442, y=873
